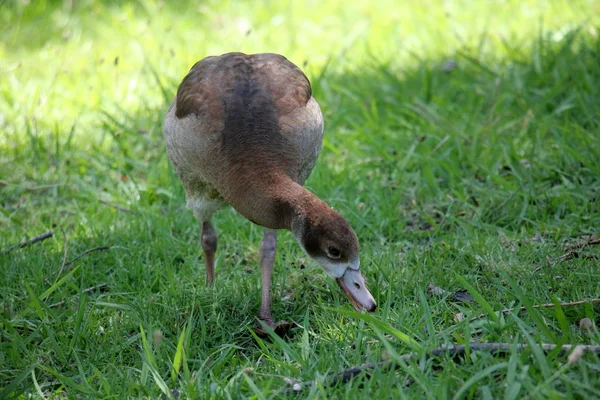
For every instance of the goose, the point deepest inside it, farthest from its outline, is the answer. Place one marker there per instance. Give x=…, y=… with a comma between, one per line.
x=244, y=130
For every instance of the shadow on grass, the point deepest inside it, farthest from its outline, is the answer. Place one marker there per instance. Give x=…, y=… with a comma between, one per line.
x=468, y=142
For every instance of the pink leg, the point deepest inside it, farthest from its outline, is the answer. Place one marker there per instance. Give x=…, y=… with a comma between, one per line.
x=268, y=247
x=209, y=245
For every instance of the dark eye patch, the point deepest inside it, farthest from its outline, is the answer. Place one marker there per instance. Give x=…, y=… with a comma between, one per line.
x=310, y=240
x=333, y=252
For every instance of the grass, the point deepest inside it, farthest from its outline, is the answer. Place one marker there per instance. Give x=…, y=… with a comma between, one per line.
x=461, y=144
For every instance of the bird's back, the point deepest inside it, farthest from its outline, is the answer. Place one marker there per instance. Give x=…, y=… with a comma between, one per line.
x=238, y=114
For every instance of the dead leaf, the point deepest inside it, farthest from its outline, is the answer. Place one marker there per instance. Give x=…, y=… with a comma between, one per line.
x=157, y=337
x=576, y=354
x=586, y=325
x=461, y=295
x=436, y=290
x=288, y=295
x=459, y=317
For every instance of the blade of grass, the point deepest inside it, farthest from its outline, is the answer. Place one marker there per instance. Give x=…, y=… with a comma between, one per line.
x=105, y=384
x=426, y=314
x=534, y=313
x=145, y=368
x=38, y=389
x=487, y=372
x=513, y=386
x=78, y=320
x=415, y=373
x=287, y=350
x=10, y=390
x=478, y=298
x=562, y=321
x=81, y=371
x=150, y=363
x=45, y=316
x=68, y=382
x=58, y=283
x=371, y=320
x=539, y=355
x=253, y=386
x=179, y=355
x=162, y=385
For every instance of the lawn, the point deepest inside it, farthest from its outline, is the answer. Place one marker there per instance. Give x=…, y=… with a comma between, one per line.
x=461, y=142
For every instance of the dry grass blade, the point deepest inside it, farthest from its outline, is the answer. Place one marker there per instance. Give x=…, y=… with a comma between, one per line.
x=572, y=251
x=547, y=305
x=100, y=287
x=450, y=350
x=590, y=241
x=117, y=207
x=571, y=254
x=69, y=263
x=38, y=238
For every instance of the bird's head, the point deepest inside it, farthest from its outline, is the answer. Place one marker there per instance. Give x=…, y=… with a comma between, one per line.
x=329, y=240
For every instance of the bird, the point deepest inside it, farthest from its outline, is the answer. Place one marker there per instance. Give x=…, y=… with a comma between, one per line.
x=244, y=130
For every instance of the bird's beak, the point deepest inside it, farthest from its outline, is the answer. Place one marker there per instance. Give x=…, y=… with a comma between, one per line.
x=353, y=284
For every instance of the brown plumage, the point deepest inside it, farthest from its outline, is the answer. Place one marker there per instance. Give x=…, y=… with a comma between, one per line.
x=245, y=130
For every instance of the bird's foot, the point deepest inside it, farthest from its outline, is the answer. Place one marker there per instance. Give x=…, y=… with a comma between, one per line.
x=280, y=327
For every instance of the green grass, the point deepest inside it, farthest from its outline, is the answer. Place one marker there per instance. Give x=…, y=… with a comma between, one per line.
x=479, y=175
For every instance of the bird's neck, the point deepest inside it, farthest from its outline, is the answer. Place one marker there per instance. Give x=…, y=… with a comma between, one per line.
x=278, y=203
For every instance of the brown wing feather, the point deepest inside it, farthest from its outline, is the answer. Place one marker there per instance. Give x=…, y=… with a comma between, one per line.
x=203, y=90
x=197, y=94
x=289, y=87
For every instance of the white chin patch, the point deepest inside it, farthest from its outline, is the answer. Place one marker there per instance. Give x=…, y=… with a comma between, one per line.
x=334, y=270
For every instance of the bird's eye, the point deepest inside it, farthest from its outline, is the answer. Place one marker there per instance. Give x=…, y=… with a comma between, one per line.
x=332, y=252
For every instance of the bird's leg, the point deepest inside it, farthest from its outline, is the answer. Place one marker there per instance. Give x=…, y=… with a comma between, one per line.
x=208, y=238
x=268, y=248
